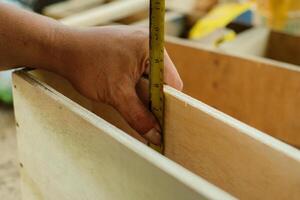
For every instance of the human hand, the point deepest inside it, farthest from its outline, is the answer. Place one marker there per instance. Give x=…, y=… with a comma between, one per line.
x=106, y=64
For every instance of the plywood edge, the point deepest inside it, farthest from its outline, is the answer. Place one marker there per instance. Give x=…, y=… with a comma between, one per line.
x=196, y=183
x=263, y=138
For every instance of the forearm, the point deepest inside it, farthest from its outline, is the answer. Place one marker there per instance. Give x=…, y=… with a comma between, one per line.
x=27, y=39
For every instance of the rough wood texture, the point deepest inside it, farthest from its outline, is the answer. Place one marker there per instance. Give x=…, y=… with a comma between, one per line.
x=241, y=160
x=69, y=153
x=259, y=92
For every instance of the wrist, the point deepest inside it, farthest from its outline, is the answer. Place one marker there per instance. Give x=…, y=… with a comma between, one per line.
x=51, y=48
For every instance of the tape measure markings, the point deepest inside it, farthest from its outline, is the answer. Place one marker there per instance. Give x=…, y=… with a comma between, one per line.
x=156, y=78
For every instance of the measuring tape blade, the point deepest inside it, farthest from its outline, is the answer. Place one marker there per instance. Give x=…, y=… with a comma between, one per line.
x=156, y=77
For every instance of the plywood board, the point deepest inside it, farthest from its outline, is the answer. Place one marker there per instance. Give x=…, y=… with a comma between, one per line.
x=240, y=160
x=262, y=93
x=66, y=152
x=259, y=92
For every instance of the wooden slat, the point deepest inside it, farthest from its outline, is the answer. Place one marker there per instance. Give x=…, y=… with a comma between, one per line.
x=67, y=152
x=259, y=92
x=252, y=90
x=67, y=8
x=106, y=13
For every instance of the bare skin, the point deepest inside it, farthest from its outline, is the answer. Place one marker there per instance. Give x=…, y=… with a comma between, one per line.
x=104, y=64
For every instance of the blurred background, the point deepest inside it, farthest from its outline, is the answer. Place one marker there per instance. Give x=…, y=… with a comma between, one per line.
x=251, y=27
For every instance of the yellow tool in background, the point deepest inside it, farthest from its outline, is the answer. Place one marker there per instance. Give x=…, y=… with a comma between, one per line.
x=218, y=18
x=156, y=77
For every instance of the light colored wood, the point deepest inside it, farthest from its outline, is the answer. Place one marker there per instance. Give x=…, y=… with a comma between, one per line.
x=260, y=92
x=69, y=153
x=241, y=160
x=106, y=13
x=67, y=8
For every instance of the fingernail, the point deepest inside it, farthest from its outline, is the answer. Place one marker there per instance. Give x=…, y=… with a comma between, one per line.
x=153, y=136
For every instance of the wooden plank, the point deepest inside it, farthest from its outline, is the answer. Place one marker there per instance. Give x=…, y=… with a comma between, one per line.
x=106, y=13
x=66, y=152
x=241, y=160
x=259, y=92
x=67, y=8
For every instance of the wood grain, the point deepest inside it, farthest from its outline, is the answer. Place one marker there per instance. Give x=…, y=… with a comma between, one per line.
x=68, y=152
x=259, y=92
x=240, y=160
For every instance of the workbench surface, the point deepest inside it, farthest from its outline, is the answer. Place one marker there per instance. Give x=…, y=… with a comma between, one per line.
x=9, y=175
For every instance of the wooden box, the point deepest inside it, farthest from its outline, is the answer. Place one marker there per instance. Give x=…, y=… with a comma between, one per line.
x=71, y=148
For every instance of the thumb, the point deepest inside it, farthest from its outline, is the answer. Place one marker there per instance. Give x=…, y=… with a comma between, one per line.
x=139, y=117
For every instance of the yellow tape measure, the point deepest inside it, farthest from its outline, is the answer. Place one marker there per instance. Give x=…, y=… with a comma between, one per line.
x=156, y=77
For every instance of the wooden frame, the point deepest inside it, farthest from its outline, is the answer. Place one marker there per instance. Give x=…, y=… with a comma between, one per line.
x=240, y=160
x=86, y=157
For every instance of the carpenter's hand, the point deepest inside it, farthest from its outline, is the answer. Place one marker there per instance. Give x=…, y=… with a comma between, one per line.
x=106, y=64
